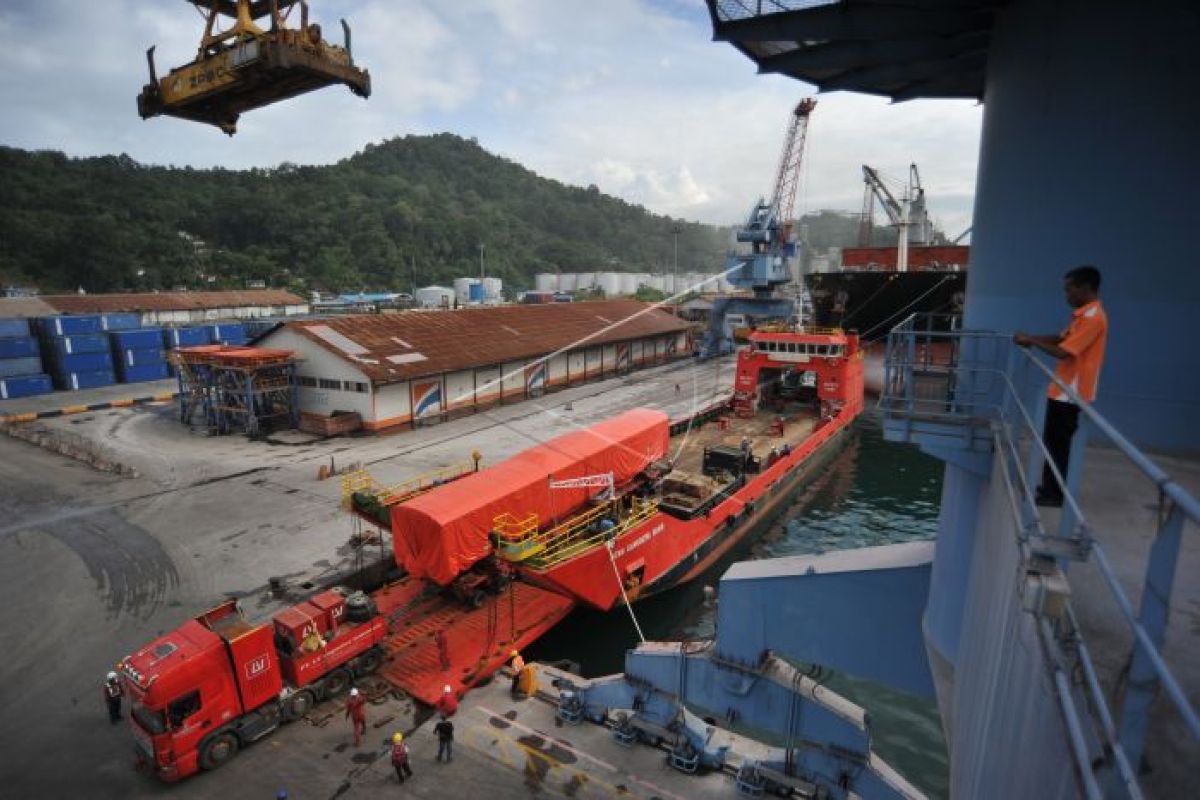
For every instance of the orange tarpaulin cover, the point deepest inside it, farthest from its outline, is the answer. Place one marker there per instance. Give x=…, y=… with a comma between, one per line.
x=443, y=532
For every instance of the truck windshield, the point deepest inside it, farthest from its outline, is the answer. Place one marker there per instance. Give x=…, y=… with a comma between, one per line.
x=152, y=721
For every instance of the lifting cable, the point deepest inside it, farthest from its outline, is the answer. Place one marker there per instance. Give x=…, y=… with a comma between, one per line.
x=890, y=317
x=621, y=585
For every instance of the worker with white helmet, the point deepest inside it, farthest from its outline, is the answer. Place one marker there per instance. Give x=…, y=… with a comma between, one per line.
x=447, y=704
x=112, y=697
x=356, y=711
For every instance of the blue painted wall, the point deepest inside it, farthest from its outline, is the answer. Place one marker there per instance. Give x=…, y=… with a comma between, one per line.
x=1090, y=154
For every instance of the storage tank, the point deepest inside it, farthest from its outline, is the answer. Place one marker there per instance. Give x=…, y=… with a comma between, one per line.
x=546, y=281
x=609, y=283
x=627, y=282
x=587, y=280
x=435, y=297
x=568, y=282
x=462, y=289
x=657, y=282
x=668, y=283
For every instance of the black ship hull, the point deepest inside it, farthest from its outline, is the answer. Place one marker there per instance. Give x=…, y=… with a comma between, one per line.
x=872, y=303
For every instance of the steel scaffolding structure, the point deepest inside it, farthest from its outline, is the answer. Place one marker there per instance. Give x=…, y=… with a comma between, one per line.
x=229, y=389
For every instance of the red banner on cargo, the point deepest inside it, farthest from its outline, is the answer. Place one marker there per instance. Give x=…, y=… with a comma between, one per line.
x=439, y=534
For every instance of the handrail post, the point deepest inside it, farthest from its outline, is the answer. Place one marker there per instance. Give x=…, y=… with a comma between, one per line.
x=1156, y=598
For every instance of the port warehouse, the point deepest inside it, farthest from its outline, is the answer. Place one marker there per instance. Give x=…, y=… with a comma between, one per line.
x=421, y=367
x=162, y=308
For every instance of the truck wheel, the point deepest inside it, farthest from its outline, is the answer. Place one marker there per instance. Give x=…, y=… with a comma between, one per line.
x=217, y=750
x=298, y=704
x=477, y=599
x=369, y=661
x=335, y=683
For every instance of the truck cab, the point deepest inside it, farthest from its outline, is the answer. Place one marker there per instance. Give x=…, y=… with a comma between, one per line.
x=189, y=689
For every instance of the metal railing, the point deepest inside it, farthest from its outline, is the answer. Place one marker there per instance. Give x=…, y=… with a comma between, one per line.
x=581, y=533
x=958, y=389
x=360, y=481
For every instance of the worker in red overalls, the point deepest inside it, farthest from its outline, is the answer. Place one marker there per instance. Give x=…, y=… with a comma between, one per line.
x=447, y=704
x=356, y=710
x=112, y=697
x=400, y=757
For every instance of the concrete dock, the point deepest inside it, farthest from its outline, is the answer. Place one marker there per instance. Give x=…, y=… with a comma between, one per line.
x=93, y=564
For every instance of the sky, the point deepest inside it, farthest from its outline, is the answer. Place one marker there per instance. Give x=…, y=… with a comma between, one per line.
x=630, y=95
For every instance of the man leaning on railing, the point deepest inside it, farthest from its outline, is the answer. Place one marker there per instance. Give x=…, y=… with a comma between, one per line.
x=1080, y=353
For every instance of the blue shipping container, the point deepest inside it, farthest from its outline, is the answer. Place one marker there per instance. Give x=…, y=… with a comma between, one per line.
x=184, y=337
x=121, y=322
x=10, y=327
x=19, y=347
x=146, y=372
x=140, y=358
x=25, y=386
x=19, y=366
x=81, y=362
x=69, y=326
x=227, y=334
x=84, y=380
x=140, y=339
x=84, y=343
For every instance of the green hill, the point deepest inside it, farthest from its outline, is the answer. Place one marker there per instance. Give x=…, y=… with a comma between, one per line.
x=112, y=224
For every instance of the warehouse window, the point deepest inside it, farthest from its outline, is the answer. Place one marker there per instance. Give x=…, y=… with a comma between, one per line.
x=354, y=386
x=304, y=380
x=326, y=383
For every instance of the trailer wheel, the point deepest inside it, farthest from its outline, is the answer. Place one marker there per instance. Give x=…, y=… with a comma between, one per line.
x=335, y=683
x=298, y=704
x=369, y=662
x=218, y=750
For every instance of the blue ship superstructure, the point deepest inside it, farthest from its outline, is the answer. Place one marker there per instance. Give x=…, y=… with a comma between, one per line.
x=1047, y=636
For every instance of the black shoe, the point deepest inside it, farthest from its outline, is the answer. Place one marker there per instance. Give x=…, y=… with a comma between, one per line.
x=1048, y=499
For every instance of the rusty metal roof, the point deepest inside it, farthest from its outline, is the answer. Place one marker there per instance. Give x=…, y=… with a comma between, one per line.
x=167, y=301
x=24, y=307
x=409, y=344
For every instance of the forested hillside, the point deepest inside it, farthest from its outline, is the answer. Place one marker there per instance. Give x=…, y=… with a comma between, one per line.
x=111, y=224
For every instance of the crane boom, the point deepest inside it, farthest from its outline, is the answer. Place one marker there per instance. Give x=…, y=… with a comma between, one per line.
x=787, y=177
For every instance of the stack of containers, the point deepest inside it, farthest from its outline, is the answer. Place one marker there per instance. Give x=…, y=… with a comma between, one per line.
x=138, y=355
x=226, y=333
x=75, y=350
x=20, y=364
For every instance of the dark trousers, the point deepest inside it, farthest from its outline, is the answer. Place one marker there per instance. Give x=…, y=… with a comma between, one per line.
x=445, y=746
x=402, y=770
x=114, y=708
x=1062, y=419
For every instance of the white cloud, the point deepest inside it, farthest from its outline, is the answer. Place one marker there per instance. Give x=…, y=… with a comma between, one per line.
x=631, y=95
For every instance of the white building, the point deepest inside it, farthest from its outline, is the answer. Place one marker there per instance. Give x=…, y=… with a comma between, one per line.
x=419, y=367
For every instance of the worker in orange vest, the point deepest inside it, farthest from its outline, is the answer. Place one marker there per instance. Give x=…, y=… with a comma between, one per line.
x=517, y=663
x=447, y=704
x=356, y=710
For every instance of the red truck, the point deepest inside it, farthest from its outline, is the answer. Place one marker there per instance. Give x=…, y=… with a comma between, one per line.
x=218, y=682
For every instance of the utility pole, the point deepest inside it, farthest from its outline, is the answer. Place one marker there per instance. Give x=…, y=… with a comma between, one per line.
x=675, y=231
x=481, y=262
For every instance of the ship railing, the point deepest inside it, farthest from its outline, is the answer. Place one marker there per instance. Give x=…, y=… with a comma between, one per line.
x=361, y=481
x=963, y=395
x=583, y=532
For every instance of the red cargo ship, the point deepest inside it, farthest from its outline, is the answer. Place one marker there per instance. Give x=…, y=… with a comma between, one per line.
x=637, y=504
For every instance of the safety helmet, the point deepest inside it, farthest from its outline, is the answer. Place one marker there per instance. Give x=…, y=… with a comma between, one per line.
x=354, y=692
x=112, y=676
x=513, y=654
x=397, y=738
x=446, y=689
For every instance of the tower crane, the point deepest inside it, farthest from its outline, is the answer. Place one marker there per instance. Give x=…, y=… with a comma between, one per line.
x=247, y=66
x=907, y=214
x=772, y=252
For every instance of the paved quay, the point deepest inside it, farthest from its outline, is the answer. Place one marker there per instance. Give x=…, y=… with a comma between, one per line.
x=93, y=565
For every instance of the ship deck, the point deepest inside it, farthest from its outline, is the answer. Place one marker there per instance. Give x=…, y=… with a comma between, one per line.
x=688, y=448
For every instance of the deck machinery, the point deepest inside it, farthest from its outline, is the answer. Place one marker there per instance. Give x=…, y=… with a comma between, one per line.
x=772, y=251
x=248, y=66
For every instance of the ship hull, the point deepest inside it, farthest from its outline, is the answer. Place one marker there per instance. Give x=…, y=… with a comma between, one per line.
x=873, y=302
x=665, y=551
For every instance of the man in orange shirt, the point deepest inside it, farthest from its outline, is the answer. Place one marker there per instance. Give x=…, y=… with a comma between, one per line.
x=1080, y=353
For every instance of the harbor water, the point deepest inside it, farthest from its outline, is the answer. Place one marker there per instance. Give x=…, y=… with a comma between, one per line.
x=871, y=493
